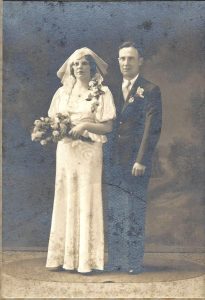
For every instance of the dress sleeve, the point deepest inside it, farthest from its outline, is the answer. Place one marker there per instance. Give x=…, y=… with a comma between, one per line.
x=106, y=110
x=53, y=109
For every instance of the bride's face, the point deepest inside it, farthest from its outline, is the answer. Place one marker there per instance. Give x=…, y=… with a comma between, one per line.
x=81, y=68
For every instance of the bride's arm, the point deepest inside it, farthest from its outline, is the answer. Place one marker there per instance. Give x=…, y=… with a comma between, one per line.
x=97, y=128
x=104, y=115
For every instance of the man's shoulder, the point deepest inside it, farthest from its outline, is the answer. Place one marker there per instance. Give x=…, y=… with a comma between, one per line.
x=148, y=85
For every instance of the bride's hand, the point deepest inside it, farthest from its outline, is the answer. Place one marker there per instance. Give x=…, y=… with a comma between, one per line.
x=78, y=130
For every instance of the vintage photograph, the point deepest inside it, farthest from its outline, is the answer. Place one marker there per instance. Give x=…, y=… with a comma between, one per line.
x=103, y=149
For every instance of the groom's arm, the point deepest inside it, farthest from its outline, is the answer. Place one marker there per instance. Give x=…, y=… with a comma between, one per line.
x=152, y=129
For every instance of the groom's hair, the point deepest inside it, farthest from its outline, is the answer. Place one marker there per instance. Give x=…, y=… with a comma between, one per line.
x=133, y=45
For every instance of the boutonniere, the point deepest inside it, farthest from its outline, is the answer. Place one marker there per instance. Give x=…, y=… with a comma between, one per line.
x=140, y=92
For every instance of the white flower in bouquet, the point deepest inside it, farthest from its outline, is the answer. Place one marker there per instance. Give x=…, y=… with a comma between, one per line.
x=36, y=129
x=54, y=126
x=33, y=136
x=37, y=123
x=39, y=134
x=56, y=120
x=36, y=135
x=55, y=133
x=48, y=129
x=47, y=119
x=43, y=142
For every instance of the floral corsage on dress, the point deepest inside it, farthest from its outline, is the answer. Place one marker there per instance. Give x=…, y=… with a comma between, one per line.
x=96, y=91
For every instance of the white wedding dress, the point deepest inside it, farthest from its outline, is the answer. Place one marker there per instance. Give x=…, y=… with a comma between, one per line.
x=77, y=231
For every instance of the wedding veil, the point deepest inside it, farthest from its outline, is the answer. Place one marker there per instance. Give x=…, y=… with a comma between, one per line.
x=64, y=73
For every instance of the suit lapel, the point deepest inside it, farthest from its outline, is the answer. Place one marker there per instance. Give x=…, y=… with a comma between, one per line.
x=133, y=90
x=121, y=101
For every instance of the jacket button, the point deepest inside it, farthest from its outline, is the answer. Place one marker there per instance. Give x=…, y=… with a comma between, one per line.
x=119, y=135
x=120, y=122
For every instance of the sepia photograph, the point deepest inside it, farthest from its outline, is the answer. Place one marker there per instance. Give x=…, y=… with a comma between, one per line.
x=103, y=149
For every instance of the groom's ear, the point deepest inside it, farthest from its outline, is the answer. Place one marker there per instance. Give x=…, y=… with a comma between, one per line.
x=141, y=60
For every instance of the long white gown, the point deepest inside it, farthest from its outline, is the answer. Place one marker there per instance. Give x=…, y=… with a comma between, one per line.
x=77, y=231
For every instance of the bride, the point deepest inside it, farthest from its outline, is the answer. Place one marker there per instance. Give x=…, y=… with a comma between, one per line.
x=77, y=233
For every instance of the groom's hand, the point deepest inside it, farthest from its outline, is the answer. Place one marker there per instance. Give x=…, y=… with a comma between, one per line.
x=138, y=169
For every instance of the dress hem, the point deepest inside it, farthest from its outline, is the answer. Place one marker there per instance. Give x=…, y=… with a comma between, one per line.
x=75, y=269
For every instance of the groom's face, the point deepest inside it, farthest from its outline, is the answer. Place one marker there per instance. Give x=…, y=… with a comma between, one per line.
x=129, y=61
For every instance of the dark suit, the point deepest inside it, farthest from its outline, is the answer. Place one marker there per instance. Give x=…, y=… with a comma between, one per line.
x=136, y=133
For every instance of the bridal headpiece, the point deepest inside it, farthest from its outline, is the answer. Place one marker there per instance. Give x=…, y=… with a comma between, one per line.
x=64, y=73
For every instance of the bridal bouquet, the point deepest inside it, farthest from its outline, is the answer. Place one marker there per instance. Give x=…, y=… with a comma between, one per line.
x=48, y=129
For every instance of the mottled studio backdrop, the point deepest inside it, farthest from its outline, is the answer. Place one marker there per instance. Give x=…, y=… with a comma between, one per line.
x=38, y=38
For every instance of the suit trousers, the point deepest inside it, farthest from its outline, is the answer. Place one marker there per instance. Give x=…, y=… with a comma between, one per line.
x=125, y=219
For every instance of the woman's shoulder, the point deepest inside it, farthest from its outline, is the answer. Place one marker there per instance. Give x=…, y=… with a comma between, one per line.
x=60, y=91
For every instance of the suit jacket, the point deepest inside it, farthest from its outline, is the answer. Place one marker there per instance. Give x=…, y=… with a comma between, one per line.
x=138, y=123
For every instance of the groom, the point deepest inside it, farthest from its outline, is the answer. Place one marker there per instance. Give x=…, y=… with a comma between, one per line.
x=136, y=132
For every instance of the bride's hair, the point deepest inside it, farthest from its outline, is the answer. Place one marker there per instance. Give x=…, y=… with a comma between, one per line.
x=92, y=63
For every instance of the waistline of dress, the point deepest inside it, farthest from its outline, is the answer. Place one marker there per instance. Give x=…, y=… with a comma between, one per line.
x=81, y=138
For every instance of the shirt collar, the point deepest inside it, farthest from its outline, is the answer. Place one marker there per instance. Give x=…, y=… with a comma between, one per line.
x=132, y=80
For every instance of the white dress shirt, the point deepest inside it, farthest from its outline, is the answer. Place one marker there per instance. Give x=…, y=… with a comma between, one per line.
x=125, y=82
